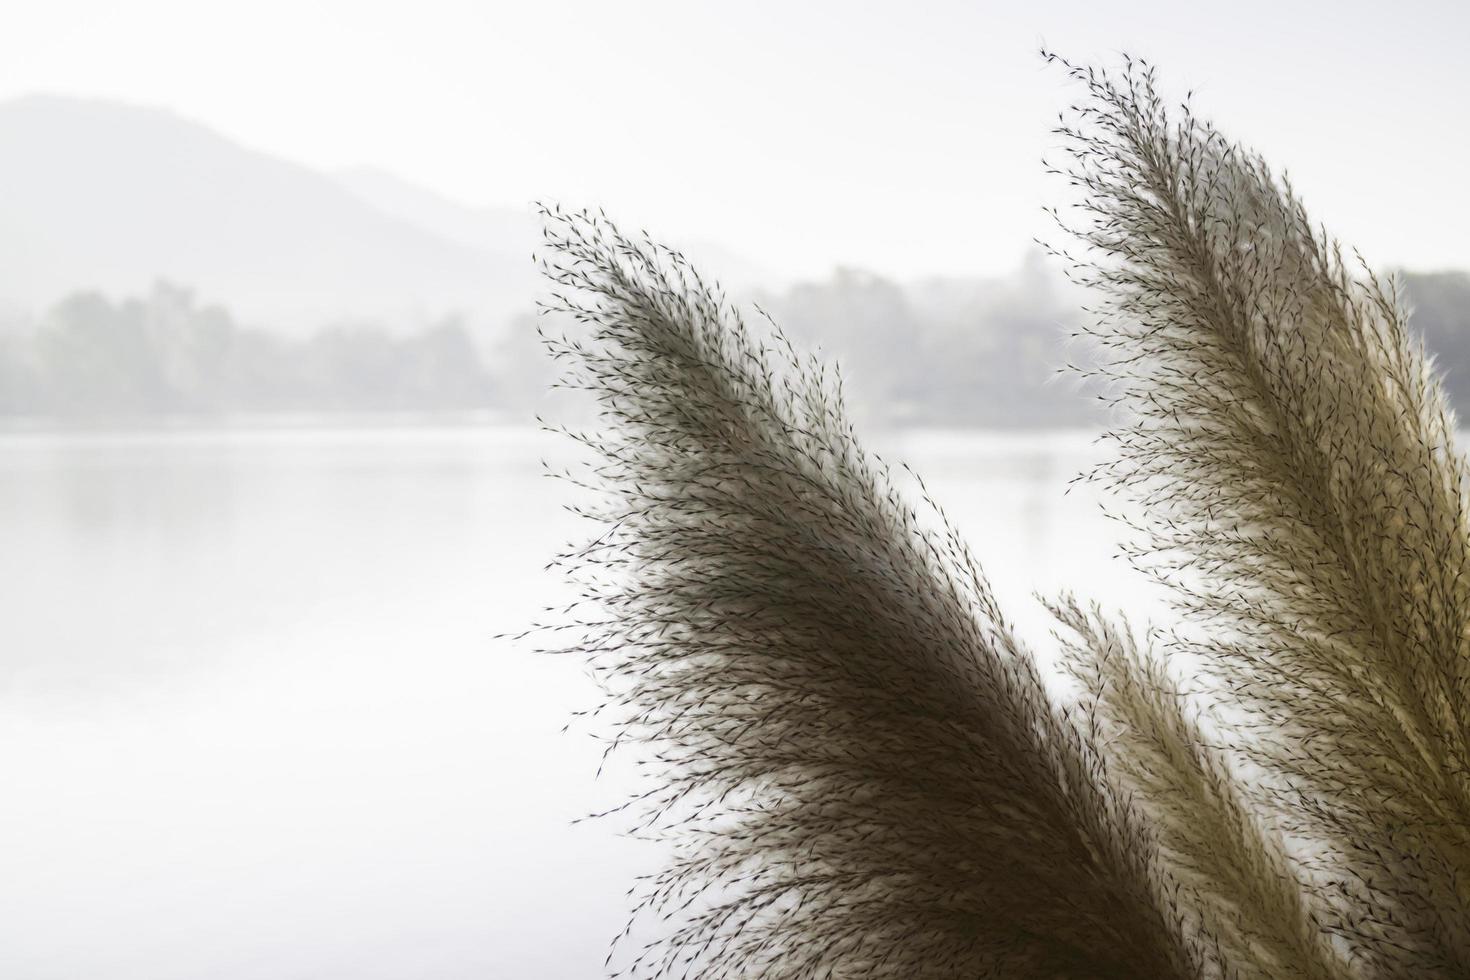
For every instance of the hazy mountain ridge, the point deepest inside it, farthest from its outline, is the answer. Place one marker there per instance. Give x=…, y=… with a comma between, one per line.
x=500, y=231
x=101, y=195
x=357, y=291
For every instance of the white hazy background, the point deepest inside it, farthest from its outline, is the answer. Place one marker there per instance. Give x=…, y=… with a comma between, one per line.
x=254, y=720
x=899, y=137
x=255, y=724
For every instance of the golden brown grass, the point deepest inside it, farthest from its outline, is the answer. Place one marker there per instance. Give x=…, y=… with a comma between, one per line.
x=855, y=757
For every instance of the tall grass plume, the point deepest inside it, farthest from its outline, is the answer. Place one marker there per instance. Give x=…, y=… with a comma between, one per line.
x=860, y=766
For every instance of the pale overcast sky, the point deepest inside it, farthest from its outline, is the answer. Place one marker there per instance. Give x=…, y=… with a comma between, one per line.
x=904, y=137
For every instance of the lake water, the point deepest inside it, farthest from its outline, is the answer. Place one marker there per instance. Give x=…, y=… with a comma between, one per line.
x=255, y=723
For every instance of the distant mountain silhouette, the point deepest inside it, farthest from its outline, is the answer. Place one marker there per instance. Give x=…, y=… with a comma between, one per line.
x=509, y=230
x=101, y=195
x=496, y=230
x=392, y=296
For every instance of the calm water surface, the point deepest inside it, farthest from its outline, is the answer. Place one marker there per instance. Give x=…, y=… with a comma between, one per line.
x=255, y=723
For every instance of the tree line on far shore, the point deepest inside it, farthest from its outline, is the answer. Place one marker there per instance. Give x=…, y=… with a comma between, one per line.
x=936, y=353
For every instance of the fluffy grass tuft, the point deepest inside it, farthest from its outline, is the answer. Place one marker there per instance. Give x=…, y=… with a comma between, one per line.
x=856, y=760
x=1292, y=454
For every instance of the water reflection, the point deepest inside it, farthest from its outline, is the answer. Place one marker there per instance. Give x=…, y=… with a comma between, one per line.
x=254, y=723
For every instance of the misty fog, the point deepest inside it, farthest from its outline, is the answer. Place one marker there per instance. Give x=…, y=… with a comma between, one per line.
x=273, y=471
